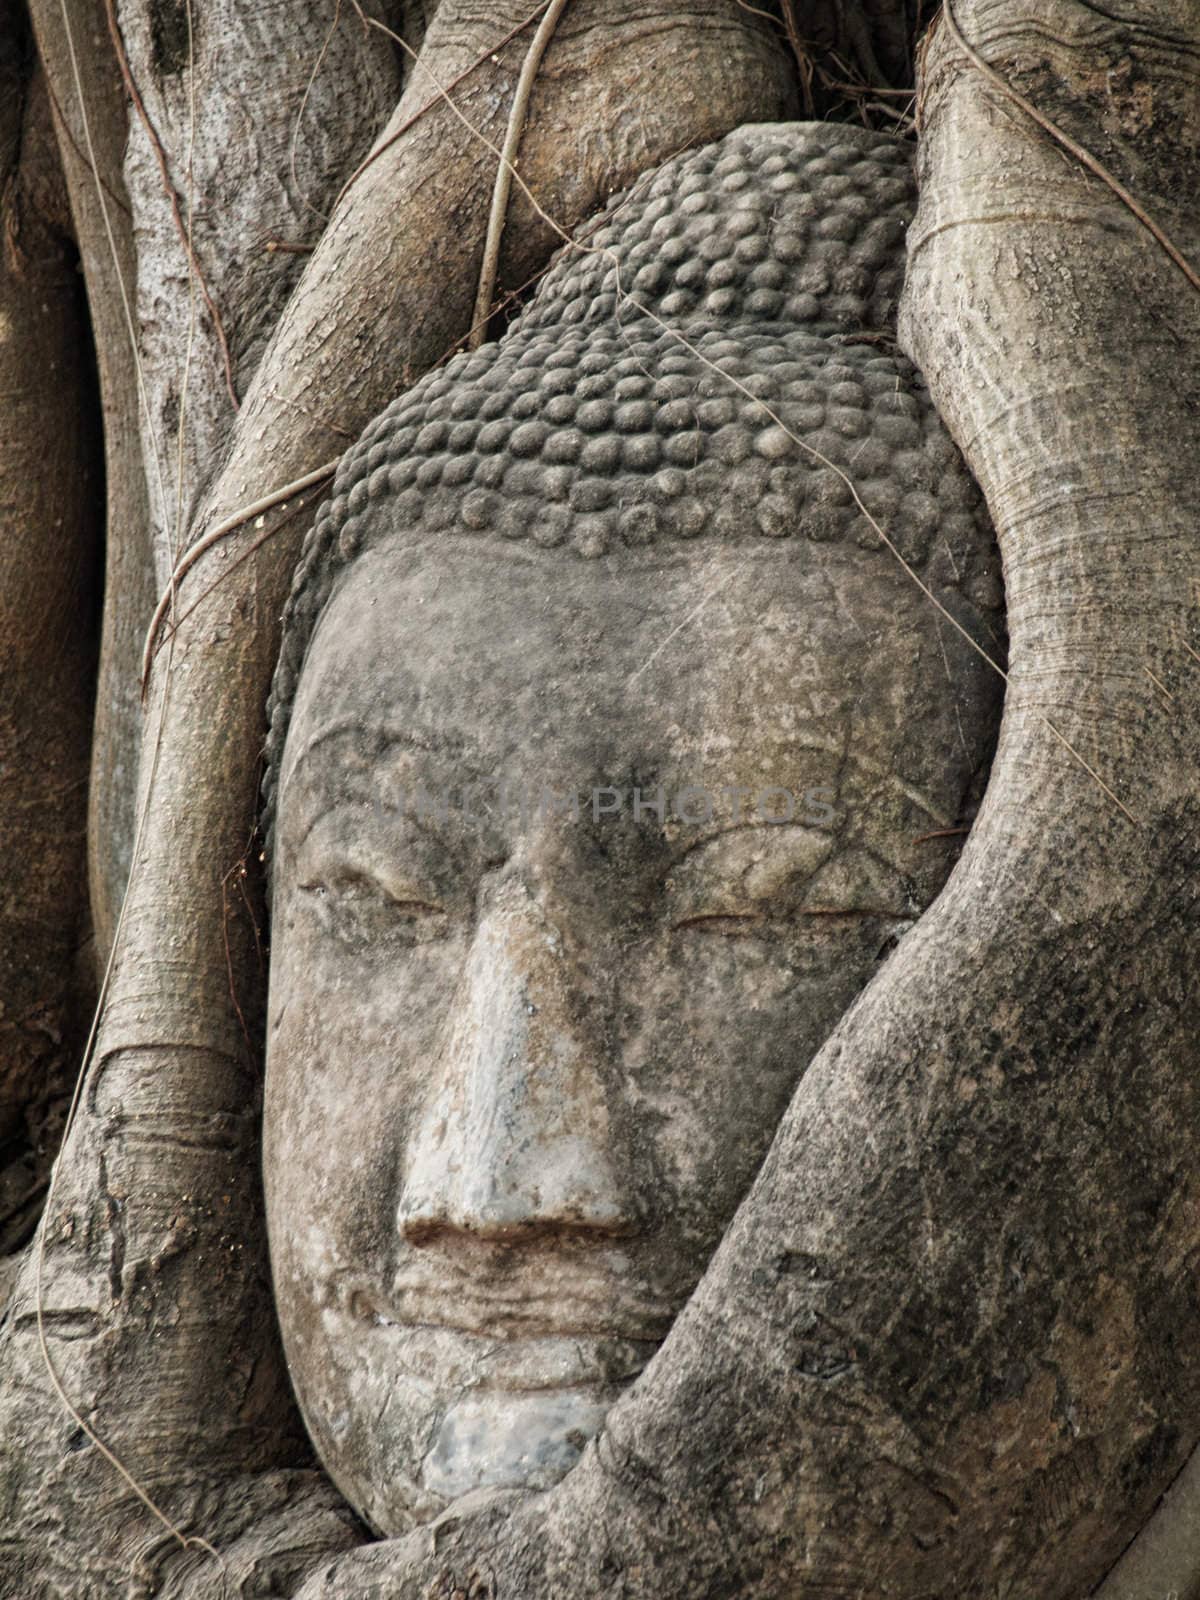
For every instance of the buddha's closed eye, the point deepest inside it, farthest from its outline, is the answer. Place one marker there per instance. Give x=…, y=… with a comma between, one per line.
x=364, y=880
x=347, y=883
x=782, y=881
x=764, y=881
x=355, y=906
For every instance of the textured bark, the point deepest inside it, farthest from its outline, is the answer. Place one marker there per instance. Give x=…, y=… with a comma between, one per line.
x=154, y=1234
x=297, y=128
x=49, y=536
x=1164, y=1559
x=872, y=38
x=102, y=226
x=1128, y=92
x=944, y=1349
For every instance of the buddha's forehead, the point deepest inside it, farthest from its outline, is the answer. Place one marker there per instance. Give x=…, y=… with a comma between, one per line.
x=704, y=662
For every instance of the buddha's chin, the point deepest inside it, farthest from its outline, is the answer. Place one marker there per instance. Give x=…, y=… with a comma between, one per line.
x=489, y=1440
x=423, y=1417
x=493, y=1439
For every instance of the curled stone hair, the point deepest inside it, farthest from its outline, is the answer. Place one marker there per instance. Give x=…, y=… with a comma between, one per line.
x=606, y=417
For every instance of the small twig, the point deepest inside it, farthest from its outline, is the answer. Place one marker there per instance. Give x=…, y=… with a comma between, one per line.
x=61, y=119
x=1076, y=149
x=504, y=172
x=312, y=78
x=160, y=156
x=1091, y=771
x=863, y=88
x=273, y=243
x=858, y=90
x=188, y=560
x=940, y=833
x=757, y=11
x=442, y=94
x=1158, y=683
x=512, y=297
x=904, y=118
x=255, y=545
x=804, y=58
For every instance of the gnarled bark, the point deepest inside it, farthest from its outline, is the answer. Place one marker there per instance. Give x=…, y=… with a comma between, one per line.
x=91, y=138
x=944, y=1349
x=154, y=1233
x=49, y=537
x=214, y=270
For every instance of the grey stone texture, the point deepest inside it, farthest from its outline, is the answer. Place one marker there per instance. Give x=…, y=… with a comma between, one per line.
x=697, y=365
x=522, y=1066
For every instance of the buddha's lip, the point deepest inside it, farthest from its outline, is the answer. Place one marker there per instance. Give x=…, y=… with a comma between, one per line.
x=487, y=1314
x=450, y=1360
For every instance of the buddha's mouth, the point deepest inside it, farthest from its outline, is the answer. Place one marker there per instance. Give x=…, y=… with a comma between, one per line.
x=517, y=1316
x=477, y=1347
x=485, y=1292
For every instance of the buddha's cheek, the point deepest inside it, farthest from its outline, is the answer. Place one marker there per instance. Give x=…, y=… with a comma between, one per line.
x=717, y=1032
x=351, y=1050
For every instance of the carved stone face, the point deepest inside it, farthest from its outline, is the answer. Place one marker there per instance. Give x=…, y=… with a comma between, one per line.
x=523, y=1064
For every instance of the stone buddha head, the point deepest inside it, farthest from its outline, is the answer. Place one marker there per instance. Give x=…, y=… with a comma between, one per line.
x=612, y=753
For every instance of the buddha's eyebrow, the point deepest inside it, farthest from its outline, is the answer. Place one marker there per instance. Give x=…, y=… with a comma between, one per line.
x=372, y=744
x=417, y=825
x=376, y=741
x=769, y=829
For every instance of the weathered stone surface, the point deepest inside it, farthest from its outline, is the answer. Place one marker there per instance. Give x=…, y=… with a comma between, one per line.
x=758, y=285
x=611, y=579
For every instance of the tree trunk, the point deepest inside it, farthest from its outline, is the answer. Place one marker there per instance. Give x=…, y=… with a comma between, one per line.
x=90, y=149
x=944, y=1348
x=49, y=543
x=155, y=1231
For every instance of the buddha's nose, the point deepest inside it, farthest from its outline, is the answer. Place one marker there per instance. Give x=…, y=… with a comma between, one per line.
x=518, y=1137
